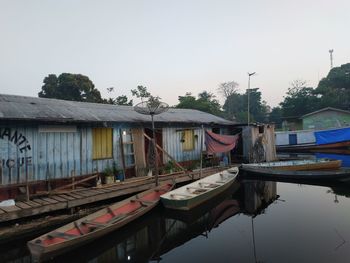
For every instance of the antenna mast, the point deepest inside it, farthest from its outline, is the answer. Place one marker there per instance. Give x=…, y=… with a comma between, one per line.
x=331, y=57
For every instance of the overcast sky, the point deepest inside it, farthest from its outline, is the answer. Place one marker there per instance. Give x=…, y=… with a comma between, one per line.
x=172, y=47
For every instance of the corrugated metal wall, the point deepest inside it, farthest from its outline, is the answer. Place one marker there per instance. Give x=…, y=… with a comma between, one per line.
x=172, y=144
x=35, y=153
x=27, y=154
x=250, y=135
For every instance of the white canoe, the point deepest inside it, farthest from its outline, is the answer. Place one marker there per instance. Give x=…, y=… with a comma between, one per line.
x=193, y=194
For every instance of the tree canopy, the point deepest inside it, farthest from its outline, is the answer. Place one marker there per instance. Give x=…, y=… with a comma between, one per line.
x=236, y=106
x=227, y=89
x=69, y=86
x=205, y=102
x=334, y=90
x=300, y=100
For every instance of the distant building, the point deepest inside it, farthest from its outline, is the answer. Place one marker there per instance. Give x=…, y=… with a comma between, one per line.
x=292, y=124
x=326, y=118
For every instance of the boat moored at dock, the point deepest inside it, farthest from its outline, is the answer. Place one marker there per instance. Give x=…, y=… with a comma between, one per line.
x=193, y=194
x=95, y=225
x=296, y=165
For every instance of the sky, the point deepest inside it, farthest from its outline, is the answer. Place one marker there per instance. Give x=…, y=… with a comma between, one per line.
x=172, y=47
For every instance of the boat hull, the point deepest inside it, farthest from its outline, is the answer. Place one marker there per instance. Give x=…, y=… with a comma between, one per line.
x=187, y=199
x=340, y=175
x=40, y=251
x=186, y=205
x=313, y=147
x=299, y=165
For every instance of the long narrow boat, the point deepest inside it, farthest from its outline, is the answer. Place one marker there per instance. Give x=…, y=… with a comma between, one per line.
x=339, y=175
x=95, y=225
x=297, y=165
x=311, y=140
x=193, y=194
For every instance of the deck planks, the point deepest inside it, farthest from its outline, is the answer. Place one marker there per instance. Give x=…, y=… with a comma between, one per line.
x=32, y=203
x=49, y=200
x=80, y=197
x=40, y=201
x=58, y=198
x=67, y=197
x=23, y=205
x=75, y=195
x=11, y=208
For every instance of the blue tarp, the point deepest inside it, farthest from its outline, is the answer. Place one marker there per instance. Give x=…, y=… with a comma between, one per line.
x=332, y=136
x=343, y=157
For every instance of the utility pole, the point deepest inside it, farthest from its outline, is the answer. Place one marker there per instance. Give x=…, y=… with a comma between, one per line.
x=248, y=93
x=331, y=57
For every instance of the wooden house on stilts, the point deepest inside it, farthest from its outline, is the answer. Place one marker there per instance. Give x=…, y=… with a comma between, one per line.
x=46, y=143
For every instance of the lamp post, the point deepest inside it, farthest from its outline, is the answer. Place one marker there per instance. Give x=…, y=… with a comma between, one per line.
x=248, y=93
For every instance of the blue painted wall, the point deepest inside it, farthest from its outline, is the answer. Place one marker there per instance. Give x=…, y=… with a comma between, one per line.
x=27, y=154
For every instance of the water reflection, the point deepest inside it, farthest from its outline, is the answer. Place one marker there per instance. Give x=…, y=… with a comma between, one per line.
x=164, y=230
x=247, y=223
x=343, y=156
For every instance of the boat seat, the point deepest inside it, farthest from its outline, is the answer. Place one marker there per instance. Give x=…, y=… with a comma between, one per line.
x=183, y=195
x=220, y=182
x=199, y=191
x=111, y=211
x=77, y=226
x=208, y=185
x=94, y=224
x=119, y=217
x=142, y=202
x=197, y=188
x=60, y=235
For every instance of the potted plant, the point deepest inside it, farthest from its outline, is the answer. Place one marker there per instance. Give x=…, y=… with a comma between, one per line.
x=108, y=175
x=117, y=172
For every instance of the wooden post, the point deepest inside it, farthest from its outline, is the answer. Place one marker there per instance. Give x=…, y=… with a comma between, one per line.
x=165, y=152
x=48, y=177
x=27, y=185
x=155, y=152
x=73, y=179
x=122, y=151
x=201, y=152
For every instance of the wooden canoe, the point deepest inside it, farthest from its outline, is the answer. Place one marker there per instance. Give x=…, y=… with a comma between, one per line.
x=312, y=147
x=95, y=225
x=339, y=175
x=297, y=165
x=193, y=194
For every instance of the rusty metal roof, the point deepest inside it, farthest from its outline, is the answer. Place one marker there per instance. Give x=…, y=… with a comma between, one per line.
x=14, y=107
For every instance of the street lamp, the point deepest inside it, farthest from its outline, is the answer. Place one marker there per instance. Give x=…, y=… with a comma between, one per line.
x=248, y=92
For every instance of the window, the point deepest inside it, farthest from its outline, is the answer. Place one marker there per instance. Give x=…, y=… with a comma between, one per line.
x=102, y=143
x=128, y=149
x=187, y=140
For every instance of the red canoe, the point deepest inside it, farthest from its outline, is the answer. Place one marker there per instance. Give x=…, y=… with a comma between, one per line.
x=95, y=225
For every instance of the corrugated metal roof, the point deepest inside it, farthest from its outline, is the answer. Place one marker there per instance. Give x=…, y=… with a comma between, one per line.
x=14, y=107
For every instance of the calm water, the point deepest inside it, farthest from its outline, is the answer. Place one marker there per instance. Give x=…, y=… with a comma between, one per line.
x=256, y=221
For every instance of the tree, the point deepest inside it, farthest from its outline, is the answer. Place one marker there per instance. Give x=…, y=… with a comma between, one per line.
x=205, y=102
x=141, y=92
x=123, y=100
x=120, y=100
x=69, y=86
x=300, y=100
x=275, y=116
x=236, y=107
x=334, y=90
x=227, y=89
